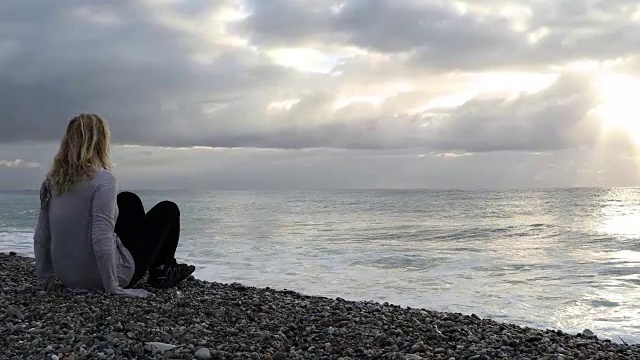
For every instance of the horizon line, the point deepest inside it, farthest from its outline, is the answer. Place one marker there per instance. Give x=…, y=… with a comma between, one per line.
x=466, y=189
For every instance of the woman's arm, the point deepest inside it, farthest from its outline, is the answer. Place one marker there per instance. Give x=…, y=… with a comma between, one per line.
x=45, y=275
x=103, y=238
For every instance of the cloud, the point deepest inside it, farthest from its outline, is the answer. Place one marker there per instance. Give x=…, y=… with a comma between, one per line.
x=19, y=163
x=555, y=118
x=297, y=74
x=461, y=35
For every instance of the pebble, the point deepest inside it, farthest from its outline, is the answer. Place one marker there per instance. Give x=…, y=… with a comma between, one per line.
x=203, y=354
x=279, y=356
x=231, y=321
x=534, y=338
x=419, y=346
x=12, y=312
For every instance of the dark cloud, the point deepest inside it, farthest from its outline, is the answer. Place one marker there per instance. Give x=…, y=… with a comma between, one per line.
x=283, y=22
x=137, y=71
x=441, y=36
x=162, y=77
x=438, y=34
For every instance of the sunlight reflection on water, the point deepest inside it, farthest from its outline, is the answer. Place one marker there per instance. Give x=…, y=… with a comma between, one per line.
x=621, y=213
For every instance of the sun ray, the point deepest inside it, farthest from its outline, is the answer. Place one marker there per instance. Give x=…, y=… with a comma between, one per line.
x=620, y=105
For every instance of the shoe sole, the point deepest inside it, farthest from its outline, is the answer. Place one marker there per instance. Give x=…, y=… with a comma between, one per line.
x=165, y=285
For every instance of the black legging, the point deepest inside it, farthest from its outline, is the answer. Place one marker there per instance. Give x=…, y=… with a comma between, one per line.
x=151, y=238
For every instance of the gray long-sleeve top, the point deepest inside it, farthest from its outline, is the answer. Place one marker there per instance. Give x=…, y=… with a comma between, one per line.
x=75, y=239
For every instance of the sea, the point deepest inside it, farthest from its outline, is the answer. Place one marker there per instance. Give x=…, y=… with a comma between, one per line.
x=565, y=259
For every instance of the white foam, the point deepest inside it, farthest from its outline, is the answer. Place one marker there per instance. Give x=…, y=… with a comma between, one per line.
x=20, y=241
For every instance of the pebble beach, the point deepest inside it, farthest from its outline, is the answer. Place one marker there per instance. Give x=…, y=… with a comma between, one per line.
x=208, y=320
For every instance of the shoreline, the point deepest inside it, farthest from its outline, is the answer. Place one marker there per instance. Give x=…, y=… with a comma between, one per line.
x=232, y=321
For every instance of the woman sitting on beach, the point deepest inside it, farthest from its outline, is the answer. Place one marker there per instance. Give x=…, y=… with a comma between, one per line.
x=90, y=236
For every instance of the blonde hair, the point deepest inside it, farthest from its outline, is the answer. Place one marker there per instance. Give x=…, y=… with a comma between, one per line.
x=84, y=149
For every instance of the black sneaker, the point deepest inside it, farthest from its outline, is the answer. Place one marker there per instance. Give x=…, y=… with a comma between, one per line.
x=170, y=275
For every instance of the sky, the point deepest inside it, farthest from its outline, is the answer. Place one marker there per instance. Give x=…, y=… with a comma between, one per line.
x=297, y=94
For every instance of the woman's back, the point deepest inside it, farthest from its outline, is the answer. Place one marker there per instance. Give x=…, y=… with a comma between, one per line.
x=71, y=218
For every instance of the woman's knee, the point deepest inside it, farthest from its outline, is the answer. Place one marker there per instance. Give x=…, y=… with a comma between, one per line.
x=169, y=207
x=129, y=198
